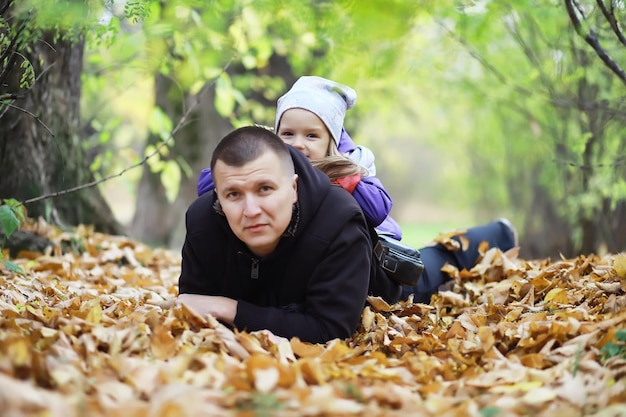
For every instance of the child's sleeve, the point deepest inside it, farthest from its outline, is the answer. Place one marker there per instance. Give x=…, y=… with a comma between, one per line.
x=205, y=181
x=369, y=192
x=373, y=199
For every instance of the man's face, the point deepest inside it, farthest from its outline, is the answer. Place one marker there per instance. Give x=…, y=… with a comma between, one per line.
x=306, y=132
x=257, y=199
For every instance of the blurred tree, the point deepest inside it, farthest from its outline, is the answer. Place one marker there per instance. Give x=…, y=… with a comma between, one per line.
x=40, y=88
x=551, y=120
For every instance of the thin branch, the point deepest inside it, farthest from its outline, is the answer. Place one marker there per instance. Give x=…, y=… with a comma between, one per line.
x=528, y=51
x=4, y=110
x=592, y=40
x=41, y=74
x=12, y=55
x=621, y=160
x=182, y=122
x=10, y=96
x=610, y=17
x=501, y=77
x=34, y=116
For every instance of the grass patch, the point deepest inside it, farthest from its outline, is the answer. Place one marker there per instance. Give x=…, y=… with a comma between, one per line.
x=419, y=234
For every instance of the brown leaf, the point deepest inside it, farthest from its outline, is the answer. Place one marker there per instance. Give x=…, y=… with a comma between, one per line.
x=163, y=345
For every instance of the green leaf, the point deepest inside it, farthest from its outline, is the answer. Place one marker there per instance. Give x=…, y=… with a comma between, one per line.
x=224, y=98
x=13, y=267
x=170, y=177
x=579, y=353
x=353, y=392
x=490, y=411
x=16, y=207
x=610, y=349
x=159, y=123
x=8, y=220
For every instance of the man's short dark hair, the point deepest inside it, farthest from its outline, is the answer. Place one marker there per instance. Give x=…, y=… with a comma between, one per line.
x=248, y=143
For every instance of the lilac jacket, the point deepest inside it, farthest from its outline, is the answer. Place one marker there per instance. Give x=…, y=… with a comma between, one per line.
x=369, y=192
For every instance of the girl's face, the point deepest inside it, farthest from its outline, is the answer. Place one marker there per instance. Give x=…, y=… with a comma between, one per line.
x=306, y=132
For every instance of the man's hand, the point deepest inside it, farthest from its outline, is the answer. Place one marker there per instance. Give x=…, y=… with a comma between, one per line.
x=222, y=308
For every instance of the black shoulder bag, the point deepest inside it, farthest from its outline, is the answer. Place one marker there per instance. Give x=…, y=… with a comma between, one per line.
x=402, y=263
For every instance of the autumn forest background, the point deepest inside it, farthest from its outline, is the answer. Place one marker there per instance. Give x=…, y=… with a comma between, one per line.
x=474, y=109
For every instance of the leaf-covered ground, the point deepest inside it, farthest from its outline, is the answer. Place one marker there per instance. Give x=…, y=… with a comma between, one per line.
x=94, y=332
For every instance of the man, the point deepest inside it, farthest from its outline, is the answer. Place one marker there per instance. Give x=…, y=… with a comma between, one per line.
x=276, y=246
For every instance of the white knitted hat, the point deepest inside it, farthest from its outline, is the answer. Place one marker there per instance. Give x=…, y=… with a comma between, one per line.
x=327, y=99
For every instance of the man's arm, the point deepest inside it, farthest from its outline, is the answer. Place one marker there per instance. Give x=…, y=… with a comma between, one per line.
x=222, y=308
x=194, y=285
x=200, y=250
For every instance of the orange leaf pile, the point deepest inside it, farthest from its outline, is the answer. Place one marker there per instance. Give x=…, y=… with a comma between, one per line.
x=97, y=334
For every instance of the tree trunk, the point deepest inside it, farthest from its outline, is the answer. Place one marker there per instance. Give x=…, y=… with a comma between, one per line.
x=157, y=220
x=40, y=146
x=152, y=218
x=545, y=233
x=195, y=146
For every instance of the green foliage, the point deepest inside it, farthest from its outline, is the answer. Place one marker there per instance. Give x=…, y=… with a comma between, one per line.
x=170, y=178
x=11, y=217
x=615, y=348
x=13, y=267
x=262, y=405
x=579, y=354
x=352, y=391
x=543, y=121
x=137, y=11
x=224, y=96
x=28, y=75
x=490, y=412
x=160, y=124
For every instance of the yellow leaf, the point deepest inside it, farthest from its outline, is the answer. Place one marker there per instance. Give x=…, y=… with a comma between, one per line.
x=520, y=386
x=539, y=396
x=305, y=350
x=557, y=295
x=265, y=372
x=485, y=334
x=18, y=351
x=532, y=360
x=312, y=371
x=93, y=309
x=620, y=265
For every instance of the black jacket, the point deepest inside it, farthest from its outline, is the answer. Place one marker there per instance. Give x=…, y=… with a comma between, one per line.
x=315, y=283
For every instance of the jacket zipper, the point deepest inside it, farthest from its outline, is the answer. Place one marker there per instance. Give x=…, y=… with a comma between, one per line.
x=254, y=273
